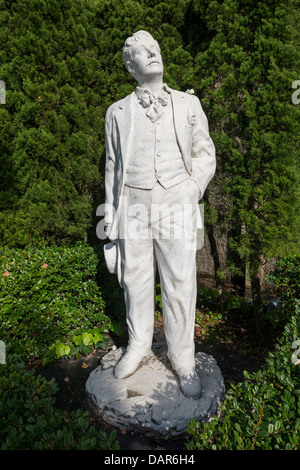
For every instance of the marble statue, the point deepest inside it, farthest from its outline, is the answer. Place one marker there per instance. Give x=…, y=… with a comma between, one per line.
x=159, y=161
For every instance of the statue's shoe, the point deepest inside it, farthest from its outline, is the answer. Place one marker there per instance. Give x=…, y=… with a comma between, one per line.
x=128, y=364
x=190, y=383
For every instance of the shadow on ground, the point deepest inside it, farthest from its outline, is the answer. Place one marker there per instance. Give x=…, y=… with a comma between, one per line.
x=72, y=374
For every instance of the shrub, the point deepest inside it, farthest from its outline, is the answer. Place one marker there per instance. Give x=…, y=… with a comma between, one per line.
x=30, y=421
x=84, y=344
x=48, y=293
x=112, y=293
x=286, y=278
x=263, y=411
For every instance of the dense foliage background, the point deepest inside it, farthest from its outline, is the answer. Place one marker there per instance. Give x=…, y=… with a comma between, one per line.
x=61, y=62
x=48, y=293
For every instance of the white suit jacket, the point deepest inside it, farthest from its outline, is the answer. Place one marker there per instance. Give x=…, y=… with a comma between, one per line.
x=191, y=127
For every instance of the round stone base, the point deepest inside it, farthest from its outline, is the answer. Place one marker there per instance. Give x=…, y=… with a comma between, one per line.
x=150, y=401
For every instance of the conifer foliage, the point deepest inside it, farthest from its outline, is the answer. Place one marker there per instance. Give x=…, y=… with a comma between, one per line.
x=61, y=62
x=246, y=74
x=51, y=128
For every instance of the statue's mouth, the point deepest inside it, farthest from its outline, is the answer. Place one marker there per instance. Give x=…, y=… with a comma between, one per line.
x=153, y=62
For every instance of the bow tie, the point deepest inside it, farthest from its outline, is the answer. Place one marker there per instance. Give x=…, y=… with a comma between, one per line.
x=154, y=104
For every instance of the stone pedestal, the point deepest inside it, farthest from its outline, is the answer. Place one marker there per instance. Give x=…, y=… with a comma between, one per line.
x=150, y=401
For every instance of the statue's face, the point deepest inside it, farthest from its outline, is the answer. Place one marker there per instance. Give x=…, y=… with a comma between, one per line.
x=146, y=59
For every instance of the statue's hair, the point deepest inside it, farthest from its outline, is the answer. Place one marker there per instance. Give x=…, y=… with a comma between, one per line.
x=138, y=36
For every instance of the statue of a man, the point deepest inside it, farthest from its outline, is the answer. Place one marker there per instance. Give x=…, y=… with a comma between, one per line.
x=159, y=161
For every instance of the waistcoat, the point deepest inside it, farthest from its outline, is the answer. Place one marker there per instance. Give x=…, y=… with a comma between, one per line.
x=155, y=154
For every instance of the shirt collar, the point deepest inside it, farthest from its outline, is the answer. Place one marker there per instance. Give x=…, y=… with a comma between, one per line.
x=140, y=91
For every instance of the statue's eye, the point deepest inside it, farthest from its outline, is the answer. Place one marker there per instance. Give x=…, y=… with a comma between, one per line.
x=141, y=51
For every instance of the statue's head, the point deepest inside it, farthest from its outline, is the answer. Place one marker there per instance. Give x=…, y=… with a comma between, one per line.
x=141, y=55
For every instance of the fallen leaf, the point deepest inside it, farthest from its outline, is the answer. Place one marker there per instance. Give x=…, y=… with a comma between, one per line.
x=84, y=365
x=44, y=265
x=6, y=273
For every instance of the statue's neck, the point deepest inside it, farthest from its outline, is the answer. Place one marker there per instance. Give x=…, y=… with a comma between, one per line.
x=154, y=85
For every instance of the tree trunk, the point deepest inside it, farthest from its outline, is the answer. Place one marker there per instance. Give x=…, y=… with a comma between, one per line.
x=217, y=263
x=257, y=299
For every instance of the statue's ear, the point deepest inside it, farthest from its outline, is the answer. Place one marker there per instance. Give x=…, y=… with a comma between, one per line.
x=129, y=67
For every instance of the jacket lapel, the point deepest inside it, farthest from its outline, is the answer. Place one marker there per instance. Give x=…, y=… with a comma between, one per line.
x=124, y=120
x=180, y=105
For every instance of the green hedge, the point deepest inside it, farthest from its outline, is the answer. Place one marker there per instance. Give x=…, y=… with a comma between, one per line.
x=30, y=421
x=263, y=412
x=286, y=279
x=47, y=294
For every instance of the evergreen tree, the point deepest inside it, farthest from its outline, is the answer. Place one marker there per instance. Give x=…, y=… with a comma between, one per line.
x=245, y=81
x=50, y=127
x=62, y=65
x=61, y=62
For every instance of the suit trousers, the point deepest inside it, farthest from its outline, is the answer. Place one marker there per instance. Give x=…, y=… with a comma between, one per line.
x=158, y=231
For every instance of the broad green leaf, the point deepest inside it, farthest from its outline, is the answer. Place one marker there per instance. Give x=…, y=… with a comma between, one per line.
x=87, y=339
x=62, y=350
x=97, y=337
